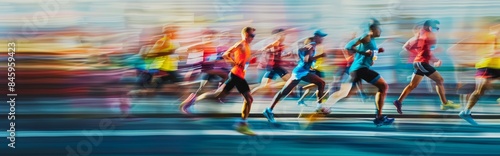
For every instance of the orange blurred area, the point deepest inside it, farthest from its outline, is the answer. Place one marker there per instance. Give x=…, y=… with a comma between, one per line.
x=72, y=42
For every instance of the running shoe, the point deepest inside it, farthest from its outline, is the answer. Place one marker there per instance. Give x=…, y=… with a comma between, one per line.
x=268, y=113
x=244, y=129
x=319, y=113
x=467, y=117
x=383, y=121
x=398, y=106
x=450, y=105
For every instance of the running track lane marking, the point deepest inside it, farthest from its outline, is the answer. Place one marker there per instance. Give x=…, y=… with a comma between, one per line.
x=132, y=133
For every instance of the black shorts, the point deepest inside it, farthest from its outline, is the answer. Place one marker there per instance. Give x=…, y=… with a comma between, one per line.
x=489, y=73
x=366, y=74
x=273, y=71
x=319, y=73
x=144, y=79
x=422, y=69
x=169, y=77
x=173, y=77
x=238, y=82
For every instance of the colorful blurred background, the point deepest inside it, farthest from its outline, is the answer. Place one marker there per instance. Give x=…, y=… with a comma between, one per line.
x=73, y=71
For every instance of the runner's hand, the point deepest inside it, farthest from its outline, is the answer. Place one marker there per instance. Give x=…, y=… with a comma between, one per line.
x=308, y=47
x=369, y=53
x=253, y=60
x=381, y=50
x=437, y=63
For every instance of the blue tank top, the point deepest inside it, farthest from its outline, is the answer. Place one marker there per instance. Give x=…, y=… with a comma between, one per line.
x=303, y=68
x=360, y=60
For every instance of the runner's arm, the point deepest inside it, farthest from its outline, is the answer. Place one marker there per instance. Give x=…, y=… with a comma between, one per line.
x=156, y=50
x=227, y=56
x=352, y=45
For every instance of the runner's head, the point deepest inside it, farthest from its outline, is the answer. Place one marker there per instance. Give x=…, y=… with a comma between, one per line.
x=416, y=29
x=170, y=31
x=318, y=36
x=248, y=34
x=279, y=34
x=374, y=27
x=431, y=25
x=208, y=35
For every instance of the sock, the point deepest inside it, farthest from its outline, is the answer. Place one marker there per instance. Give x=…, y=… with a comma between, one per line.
x=242, y=121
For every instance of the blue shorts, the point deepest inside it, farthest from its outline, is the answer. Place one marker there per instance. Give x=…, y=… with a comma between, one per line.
x=273, y=71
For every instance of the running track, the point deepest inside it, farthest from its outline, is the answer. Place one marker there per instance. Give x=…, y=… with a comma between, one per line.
x=55, y=128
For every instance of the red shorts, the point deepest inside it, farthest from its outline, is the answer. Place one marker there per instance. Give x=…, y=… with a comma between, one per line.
x=488, y=73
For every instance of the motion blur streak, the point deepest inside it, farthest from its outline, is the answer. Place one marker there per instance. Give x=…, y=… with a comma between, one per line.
x=79, y=64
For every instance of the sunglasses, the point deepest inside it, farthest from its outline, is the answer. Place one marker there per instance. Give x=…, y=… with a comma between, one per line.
x=251, y=35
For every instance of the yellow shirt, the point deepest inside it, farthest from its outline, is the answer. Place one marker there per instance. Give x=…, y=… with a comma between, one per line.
x=489, y=63
x=167, y=62
x=319, y=64
x=488, y=60
x=241, y=58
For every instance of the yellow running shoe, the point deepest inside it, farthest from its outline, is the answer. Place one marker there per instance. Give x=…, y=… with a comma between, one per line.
x=450, y=105
x=244, y=129
x=316, y=116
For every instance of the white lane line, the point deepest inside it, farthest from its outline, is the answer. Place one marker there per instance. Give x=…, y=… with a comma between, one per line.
x=484, y=135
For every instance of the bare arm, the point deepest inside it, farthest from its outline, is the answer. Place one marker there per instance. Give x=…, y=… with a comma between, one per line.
x=269, y=46
x=227, y=56
x=308, y=57
x=156, y=50
x=351, y=46
x=407, y=46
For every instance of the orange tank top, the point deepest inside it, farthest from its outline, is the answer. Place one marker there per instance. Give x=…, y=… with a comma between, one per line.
x=241, y=58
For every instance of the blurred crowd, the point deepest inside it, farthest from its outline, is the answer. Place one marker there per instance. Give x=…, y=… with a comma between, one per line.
x=108, y=53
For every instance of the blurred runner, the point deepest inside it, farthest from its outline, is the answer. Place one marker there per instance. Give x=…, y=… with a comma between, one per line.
x=238, y=55
x=273, y=54
x=488, y=70
x=425, y=43
x=464, y=56
x=302, y=72
x=165, y=61
x=410, y=51
x=365, y=49
x=341, y=75
x=212, y=65
x=316, y=68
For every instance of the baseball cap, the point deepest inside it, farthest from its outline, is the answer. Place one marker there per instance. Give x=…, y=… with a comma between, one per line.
x=431, y=23
x=275, y=31
x=320, y=33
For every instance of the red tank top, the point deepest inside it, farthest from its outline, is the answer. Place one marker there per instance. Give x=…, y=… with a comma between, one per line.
x=424, y=43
